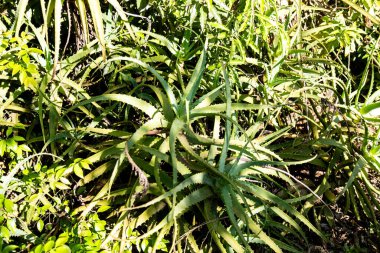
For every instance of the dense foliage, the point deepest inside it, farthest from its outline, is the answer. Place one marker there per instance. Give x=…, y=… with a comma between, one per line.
x=189, y=126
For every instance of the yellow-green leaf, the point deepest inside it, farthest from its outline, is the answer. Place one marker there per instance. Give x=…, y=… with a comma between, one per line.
x=78, y=170
x=63, y=249
x=8, y=205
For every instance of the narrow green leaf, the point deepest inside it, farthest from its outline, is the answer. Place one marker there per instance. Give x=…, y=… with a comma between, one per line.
x=57, y=32
x=199, y=178
x=186, y=203
x=172, y=47
x=96, y=172
x=131, y=100
x=21, y=10
x=227, y=200
x=362, y=11
x=266, y=195
x=359, y=165
x=196, y=77
x=118, y=8
x=227, y=132
x=165, y=85
x=97, y=17
x=61, y=186
x=83, y=16
x=218, y=108
x=371, y=110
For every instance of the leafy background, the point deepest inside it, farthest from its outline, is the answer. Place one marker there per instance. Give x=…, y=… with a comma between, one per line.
x=189, y=126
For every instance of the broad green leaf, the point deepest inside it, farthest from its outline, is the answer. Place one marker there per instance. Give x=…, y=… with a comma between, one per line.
x=8, y=205
x=40, y=225
x=62, y=239
x=61, y=186
x=4, y=232
x=49, y=245
x=3, y=147
x=103, y=209
x=11, y=225
x=38, y=249
x=62, y=249
x=78, y=170
x=10, y=248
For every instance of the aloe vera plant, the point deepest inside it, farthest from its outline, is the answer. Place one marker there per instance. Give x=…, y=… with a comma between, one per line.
x=187, y=126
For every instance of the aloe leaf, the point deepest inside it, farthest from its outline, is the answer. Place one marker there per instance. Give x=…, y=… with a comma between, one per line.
x=196, y=78
x=172, y=47
x=133, y=101
x=215, y=135
x=218, y=230
x=218, y=108
x=208, y=98
x=175, y=130
x=227, y=133
x=371, y=110
x=288, y=219
x=99, y=171
x=164, y=101
x=165, y=85
x=362, y=11
x=105, y=131
x=21, y=9
x=199, y=178
x=107, y=153
x=265, y=195
x=97, y=17
x=363, y=79
x=118, y=8
x=83, y=17
x=149, y=213
x=182, y=206
x=152, y=124
x=164, y=178
x=57, y=32
x=253, y=226
x=227, y=199
x=359, y=165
